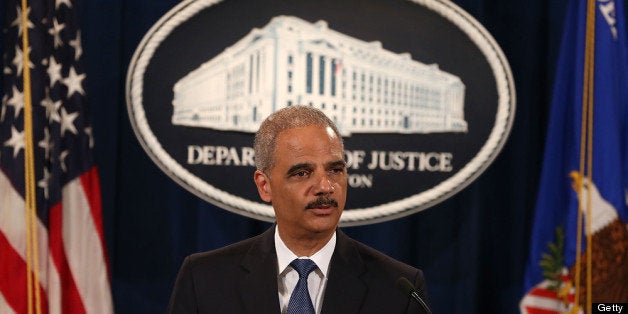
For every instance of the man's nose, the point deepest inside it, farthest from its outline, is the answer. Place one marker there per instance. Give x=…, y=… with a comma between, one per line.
x=324, y=184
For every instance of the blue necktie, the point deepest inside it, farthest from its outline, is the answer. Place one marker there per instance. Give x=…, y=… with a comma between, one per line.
x=300, y=301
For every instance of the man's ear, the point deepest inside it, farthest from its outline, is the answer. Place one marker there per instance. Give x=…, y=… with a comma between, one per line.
x=263, y=186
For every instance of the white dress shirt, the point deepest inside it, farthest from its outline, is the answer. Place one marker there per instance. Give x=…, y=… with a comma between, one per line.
x=288, y=277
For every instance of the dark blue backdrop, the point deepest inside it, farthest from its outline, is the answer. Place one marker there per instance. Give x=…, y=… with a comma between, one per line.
x=472, y=247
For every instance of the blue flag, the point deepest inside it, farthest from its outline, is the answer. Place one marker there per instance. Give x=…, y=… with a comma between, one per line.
x=585, y=170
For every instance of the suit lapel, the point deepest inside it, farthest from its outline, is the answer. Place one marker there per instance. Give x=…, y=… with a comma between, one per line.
x=345, y=290
x=259, y=284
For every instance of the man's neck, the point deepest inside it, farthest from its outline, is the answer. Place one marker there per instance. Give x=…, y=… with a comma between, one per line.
x=307, y=244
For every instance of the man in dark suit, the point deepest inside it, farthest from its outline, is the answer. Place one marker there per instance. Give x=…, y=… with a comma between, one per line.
x=304, y=263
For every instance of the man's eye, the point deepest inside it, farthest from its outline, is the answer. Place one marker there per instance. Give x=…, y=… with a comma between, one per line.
x=302, y=173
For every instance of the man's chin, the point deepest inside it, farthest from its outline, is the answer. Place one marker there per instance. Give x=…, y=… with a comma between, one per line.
x=324, y=220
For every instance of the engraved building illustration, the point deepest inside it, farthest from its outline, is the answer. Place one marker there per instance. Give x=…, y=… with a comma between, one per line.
x=361, y=86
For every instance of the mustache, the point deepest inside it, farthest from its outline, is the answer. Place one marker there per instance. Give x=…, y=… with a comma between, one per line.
x=322, y=201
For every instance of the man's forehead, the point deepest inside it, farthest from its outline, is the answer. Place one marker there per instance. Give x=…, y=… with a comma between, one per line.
x=301, y=142
x=330, y=154
x=307, y=132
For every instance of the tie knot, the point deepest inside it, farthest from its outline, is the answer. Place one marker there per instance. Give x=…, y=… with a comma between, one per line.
x=303, y=266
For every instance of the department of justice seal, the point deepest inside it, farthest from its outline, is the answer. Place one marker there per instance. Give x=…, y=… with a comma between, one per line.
x=420, y=91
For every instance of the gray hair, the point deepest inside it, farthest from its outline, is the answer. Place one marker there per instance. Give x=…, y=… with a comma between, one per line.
x=284, y=119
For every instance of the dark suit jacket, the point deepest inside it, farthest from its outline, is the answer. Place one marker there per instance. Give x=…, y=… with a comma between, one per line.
x=242, y=278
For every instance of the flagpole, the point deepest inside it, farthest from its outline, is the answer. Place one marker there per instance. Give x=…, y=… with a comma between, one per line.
x=590, y=80
x=586, y=158
x=32, y=263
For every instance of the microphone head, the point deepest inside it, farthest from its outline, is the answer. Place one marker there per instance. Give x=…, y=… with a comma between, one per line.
x=405, y=286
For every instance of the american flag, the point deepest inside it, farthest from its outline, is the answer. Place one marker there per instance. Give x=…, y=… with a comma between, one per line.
x=69, y=261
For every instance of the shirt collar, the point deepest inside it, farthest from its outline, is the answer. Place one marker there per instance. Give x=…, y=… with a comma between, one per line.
x=322, y=258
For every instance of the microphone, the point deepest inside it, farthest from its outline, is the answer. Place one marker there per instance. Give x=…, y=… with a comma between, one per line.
x=407, y=288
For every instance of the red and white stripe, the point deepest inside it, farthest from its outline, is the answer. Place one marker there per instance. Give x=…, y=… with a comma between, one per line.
x=73, y=270
x=542, y=300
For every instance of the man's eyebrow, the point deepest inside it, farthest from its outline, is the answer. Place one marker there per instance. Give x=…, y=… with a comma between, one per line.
x=300, y=166
x=339, y=163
